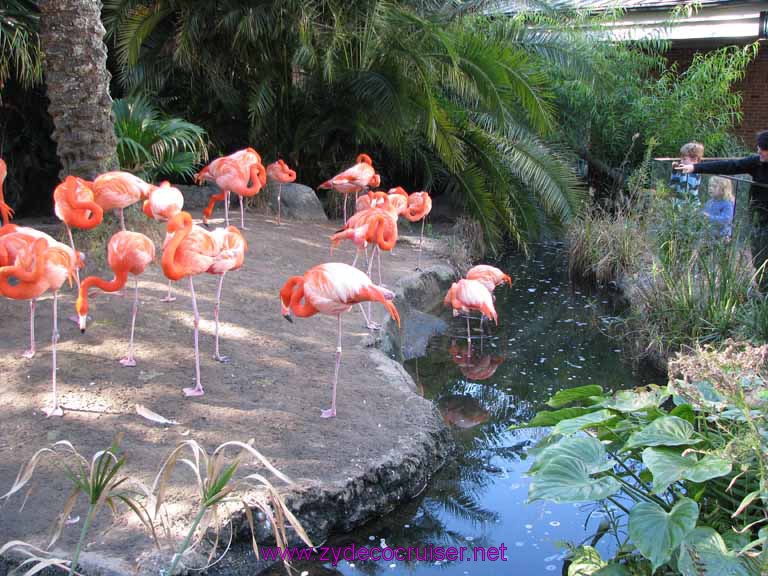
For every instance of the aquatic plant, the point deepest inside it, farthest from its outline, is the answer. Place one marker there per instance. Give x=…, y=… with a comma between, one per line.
x=682, y=468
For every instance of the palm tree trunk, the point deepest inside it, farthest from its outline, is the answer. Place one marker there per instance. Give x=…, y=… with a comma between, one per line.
x=75, y=68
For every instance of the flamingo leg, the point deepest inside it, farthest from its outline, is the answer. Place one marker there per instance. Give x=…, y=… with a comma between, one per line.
x=279, y=191
x=331, y=412
x=31, y=352
x=242, y=215
x=226, y=208
x=54, y=410
x=421, y=241
x=72, y=245
x=216, y=354
x=170, y=297
x=370, y=323
x=357, y=253
x=345, y=208
x=128, y=359
x=469, y=338
x=198, y=389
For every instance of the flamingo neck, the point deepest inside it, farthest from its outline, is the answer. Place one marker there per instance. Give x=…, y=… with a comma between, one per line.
x=28, y=271
x=81, y=305
x=80, y=219
x=291, y=296
x=5, y=210
x=171, y=269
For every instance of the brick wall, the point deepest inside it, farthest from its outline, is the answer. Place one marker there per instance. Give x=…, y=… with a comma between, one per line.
x=754, y=89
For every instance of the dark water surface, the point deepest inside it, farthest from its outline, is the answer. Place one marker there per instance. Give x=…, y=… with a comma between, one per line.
x=550, y=337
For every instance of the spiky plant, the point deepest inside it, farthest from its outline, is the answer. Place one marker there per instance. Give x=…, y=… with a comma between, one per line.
x=20, y=55
x=98, y=479
x=152, y=146
x=217, y=485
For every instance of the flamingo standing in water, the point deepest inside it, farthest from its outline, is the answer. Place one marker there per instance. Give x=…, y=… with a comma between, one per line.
x=14, y=240
x=281, y=173
x=118, y=190
x=419, y=206
x=488, y=276
x=74, y=204
x=162, y=204
x=40, y=265
x=466, y=295
x=5, y=211
x=354, y=180
x=332, y=289
x=127, y=253
x=233, y=173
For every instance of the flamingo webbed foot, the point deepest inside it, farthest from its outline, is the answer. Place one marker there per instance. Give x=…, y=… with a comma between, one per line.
x=330, y=413
x=55, y=411
x=28, y=354
x=196, y=391
x=168, y=299
x=221, y=358
x=373, y=325
x=128, y=361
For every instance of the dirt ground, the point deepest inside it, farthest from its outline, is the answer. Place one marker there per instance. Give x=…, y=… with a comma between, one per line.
x=278, y=380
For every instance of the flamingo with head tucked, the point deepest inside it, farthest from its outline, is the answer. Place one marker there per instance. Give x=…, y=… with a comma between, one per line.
x=419, y=206
x=233, y=173
x=230, y=253
x=466, y=295
x=162, y=204
x=189, y=250
x=74, y=204
x=353, y=180
x=117, y=190
x=127, y=253
x=282, y=174
x=332, y=289
x=488, y=276
x=39, y=265
x=5, y=211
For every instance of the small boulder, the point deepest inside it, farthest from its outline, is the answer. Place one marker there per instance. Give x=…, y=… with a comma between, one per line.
x=298, y=202
x=196, y=196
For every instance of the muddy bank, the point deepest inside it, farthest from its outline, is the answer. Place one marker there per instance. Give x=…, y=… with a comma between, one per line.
x=379, y=451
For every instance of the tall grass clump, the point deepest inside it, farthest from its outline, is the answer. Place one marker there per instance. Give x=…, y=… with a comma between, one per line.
x=99, y=480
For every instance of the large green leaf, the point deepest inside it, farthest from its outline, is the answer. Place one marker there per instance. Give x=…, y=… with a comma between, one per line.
x=587, y=449
x=651, y=396
x=552, y=417
x=580, y=393
x=665, y=431
x=573, y=425
x=668, y=466
x=585, y=562
x=612, y=570
x=658, y=533
x=567, y=479
x=704, y=553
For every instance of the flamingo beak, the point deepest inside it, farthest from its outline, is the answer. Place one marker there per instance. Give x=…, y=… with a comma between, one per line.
x=81, y=322
x=288, y=317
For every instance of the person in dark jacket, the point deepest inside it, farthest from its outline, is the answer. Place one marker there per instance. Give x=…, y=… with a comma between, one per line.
x=756, y=166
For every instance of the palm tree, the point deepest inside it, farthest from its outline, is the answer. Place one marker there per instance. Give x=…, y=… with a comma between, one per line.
x=77, y=80
x=443, y=97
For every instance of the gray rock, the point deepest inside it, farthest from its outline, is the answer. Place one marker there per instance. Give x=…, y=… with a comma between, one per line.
x=299, y=202
x=196, y=196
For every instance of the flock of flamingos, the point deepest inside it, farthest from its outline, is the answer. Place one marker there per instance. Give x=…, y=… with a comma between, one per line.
x=32, y=262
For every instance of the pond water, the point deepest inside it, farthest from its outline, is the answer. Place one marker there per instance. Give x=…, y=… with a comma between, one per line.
x=550, y=337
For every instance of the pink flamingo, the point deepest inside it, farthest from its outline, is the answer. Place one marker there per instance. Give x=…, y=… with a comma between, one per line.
x=13, y=241
x=162, y=204
x=332, y=289
x=281, y=173
x=127, y=253
x=74, y=204
x=5, y=211
x=488, y=276
x=354, y=180
x=233, y=173
x=466, y=295
x=118, y=190
x=419, y=206
x=230, y=248
x=44, y=264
